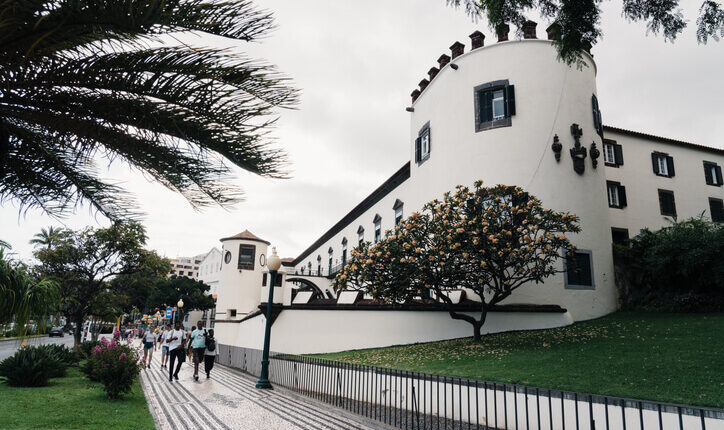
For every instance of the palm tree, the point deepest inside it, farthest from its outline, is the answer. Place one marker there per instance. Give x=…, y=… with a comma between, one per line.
x=83, y=81
x=47, y=238
x=23, y=297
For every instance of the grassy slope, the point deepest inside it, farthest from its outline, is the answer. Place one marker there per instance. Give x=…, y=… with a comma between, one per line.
x=675, y=358
x=72, y=402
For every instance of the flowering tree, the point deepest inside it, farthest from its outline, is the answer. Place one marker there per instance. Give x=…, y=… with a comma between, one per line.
x=488, y=240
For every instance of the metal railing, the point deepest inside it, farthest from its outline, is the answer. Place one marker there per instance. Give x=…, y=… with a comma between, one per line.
x=415, y=400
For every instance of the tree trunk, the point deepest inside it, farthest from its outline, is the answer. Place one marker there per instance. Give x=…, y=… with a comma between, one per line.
x=78, y=330
x=479, y=325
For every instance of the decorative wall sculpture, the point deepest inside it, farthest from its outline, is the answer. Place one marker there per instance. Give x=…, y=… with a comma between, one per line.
x=595, y=153
x=557, y=147
x=578, y=152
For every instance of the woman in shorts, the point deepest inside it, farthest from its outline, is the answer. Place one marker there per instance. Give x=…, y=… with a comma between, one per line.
x=164, y=341
x=149, y=343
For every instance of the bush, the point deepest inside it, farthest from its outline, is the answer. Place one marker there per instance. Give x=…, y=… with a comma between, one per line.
x=114, y=365
x=66, y=355
x=677, y=268
x=32, y=366
x=86, y=348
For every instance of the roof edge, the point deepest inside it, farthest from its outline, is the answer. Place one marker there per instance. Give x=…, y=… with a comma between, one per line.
x=662, y=139
x=400, y=176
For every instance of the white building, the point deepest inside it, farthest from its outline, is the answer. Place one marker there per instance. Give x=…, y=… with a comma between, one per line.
x=508, y=113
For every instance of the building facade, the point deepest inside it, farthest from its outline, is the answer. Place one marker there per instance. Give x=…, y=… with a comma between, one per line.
x=509, y=113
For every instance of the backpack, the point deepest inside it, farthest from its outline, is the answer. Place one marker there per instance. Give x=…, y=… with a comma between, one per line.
x=210, y=344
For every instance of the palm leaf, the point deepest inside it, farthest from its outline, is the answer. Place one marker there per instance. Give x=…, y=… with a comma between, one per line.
x=85, y=80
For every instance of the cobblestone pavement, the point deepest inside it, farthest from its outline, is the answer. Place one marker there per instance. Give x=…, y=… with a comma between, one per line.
x=229, y=400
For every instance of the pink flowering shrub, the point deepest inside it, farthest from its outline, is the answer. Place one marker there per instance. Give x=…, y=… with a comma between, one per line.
x=116, y=334
x=114, y=365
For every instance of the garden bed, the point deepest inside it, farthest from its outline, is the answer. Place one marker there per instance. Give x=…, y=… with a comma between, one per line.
x=675, y=358
x=72, y=402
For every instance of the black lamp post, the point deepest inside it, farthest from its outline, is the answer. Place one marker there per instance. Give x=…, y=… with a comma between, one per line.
x=273, y=264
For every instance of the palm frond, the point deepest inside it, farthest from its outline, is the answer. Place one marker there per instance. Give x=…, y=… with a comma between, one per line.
x=81, y=80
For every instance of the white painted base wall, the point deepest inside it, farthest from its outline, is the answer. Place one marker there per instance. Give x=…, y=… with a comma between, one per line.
x=303, y=331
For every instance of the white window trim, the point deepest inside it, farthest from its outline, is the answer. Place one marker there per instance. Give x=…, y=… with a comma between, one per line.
x=609, y=153
x=663, y=165
x=613, y=198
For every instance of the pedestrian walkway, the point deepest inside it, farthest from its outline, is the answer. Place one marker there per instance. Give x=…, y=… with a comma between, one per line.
x=229, y=400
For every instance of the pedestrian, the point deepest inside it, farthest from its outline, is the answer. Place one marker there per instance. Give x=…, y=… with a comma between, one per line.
x=165, y=335
x=188, y=336
x=198, y=345
x=210, y=352
x=149, y=344
x=176, y=350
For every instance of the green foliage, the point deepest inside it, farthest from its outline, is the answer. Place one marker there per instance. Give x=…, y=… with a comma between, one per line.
x=86, y=348
x=138, y=286
x=489, y=240
x=83, y=262
x=579, y=20
x=676, y=268
x=24, y=296
x=170, y=290
x=66, y=355
x=114, y=365
x=32, y=366
x=122, y=80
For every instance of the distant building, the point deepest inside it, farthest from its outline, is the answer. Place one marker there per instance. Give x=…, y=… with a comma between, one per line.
x=186, y=266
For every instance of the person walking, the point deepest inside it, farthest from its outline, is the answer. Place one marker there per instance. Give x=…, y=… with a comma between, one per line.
x=176, y=351
x=149, y=344
x=165, y=335
x=210, y=352
x=198, y=345
x=189, y=349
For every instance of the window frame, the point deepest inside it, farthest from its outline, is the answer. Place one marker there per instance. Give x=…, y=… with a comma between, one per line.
x=661, y=203
x=398, y=211
x=420, y=155
x=668, y=163
x=246, y=265
x=620, y=230
x=714, y=170
x=570, y=286
x=711, y=212
x=621, y=201
x=378, y=228
x=508, y=104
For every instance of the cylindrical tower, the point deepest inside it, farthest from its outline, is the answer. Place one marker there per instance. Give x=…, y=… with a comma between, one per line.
x=492, y=114
x=240, y=279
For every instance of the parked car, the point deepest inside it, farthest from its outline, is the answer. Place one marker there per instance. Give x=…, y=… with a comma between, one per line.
x=56, y=331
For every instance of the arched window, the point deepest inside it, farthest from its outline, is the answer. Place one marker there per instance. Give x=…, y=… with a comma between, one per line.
x=360, y=235
x=319, y=265
x=330, y=251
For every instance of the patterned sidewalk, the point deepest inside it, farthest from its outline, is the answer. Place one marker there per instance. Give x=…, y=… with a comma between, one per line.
x=229, y=400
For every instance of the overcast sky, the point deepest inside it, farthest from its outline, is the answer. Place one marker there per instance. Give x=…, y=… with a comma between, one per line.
x=356, y=64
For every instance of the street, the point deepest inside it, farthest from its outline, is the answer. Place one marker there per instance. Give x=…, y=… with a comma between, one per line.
x=8, y=347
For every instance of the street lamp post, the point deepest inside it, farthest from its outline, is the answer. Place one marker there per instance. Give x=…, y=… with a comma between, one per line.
x=273, y=264
x=180, y=305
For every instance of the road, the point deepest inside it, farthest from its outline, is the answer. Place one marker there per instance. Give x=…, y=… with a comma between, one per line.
x=8, y=347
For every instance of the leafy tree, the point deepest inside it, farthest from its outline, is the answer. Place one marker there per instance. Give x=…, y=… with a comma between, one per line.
x=579, y=20
x=86, y=80
x=490, y=241
x=22, y=296
x=137, y=287
x=83, y=262
x=47, y=237
x=170, y=290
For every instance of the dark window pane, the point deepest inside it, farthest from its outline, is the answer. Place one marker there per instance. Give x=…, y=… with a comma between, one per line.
x=578, y=267
x=246, y=257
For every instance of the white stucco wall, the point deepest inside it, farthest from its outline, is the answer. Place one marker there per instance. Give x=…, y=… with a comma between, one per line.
x=691, y=193
x=550, y=96
x=298, y=331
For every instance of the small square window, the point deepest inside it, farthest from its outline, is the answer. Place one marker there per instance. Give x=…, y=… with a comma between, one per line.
x=494, y=105
x=712, y=174
x=619, y=236
x=422, y=144
x=616, y=195
x=667, y=203
x=612, y=153
x=578, y=272
x=716, y=209
x=663, y=164
x=232, y=313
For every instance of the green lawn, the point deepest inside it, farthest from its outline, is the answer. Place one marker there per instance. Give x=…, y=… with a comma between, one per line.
x=72, y=402
x=676, y=358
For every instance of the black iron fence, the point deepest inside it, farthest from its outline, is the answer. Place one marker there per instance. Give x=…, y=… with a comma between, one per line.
x=414, y=400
